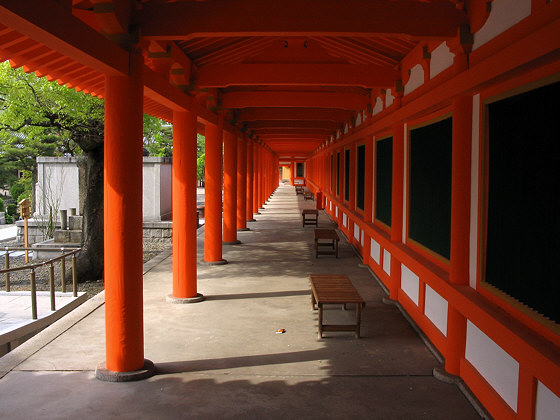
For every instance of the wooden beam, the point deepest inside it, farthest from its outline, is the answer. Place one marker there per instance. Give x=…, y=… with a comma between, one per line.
x=319, y=132
x=187, y=20
x=279, y=124
x=321, y=114
x=298, y=99
x=367, y=76
x=49, y=23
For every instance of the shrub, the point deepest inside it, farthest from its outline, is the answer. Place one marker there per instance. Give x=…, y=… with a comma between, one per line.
x=1, y=205
x=9, y=219
x=17, y=189
x=12, y=209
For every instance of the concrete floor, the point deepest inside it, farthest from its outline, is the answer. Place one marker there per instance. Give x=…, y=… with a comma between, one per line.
x=222, y=358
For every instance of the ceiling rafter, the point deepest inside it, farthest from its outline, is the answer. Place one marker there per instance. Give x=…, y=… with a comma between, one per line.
x=186, y=20
x=296, y=74
x=296, y=99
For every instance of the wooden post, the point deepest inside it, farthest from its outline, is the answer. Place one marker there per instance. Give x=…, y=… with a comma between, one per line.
x=25, y=212
x=123, y=220
x=184, y=208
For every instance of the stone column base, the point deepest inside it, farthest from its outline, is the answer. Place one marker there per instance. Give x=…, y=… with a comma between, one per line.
x=106, y=375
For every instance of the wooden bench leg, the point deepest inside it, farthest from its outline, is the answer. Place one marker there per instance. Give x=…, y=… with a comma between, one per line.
x=358, y=319
x=316, y=248
x=313, y=301
x=320, y=334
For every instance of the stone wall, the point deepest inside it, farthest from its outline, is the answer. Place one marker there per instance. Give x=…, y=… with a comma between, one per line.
x=58, y=181
x=157, y=231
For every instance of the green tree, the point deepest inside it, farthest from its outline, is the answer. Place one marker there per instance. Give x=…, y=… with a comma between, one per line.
x=158, y=137
x=200, y=157
x=41, y=118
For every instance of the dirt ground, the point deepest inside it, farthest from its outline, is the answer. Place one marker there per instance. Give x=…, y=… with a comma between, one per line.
x=20, y=280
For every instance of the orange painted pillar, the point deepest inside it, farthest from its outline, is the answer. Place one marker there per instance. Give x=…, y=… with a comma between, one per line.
x=241, y=184
x=368, y=197
x=213, y=194
x=460, y=226
x=184, y=207
x=122, y=211
x=342, y=185
x=397, y=206
x=230, y=189
x=256, y=178
x=260, y=186
x=292, y=172
x=352, y=201
x=250, y=183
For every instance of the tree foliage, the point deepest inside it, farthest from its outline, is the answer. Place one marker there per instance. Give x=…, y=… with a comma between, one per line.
x=158, y=137
x=42, y=118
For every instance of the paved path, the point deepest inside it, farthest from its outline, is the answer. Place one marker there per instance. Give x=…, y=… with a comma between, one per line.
x=15, y=308
x=222, y=358
x=8, y=232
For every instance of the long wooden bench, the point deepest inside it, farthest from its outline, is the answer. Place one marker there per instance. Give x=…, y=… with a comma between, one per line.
x=326, y=237
x=310, y=217
x=308, y=195
x=335, y=289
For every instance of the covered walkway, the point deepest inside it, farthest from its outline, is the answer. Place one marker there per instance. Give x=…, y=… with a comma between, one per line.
x=222, y=358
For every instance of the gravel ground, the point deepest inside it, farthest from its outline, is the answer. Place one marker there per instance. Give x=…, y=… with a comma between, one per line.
x=20, y=280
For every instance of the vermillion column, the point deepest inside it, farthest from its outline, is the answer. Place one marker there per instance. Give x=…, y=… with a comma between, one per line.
x=460, y=226
x=250, y=181
x=260, y=178
x=352, y=201
x=184, y=208
x=256, y=176
x=241, y=184
x=123, y=226
x=368, y=196
x=213, y=194
x=397, y=206
x=230, y=189
x=292, y=172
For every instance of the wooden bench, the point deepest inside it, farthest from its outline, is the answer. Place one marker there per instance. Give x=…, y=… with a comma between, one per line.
x=310, y=217
x=335, y=289
x=331, y=238
x=299, y=189
x=308, y=195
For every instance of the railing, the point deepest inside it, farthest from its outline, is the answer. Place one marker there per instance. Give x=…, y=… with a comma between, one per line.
x=65, y=253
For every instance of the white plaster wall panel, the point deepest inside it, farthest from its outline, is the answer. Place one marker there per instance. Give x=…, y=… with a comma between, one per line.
x=378, y=107
x=330, y=206
x=473, y=245
x=405, y=171
x=547, y=405
x=57, y=184
x=415, y=80
x=362, y=238
x=345, y=128
x=166, y=203
x=344, y=220
x=441, y=59
x=356, y=232
x=499, y=369
x=150, y=192
x=359, y=119
x=388, y=98
x=436, y=309
x=387, y=262
x=504, y=14
x=375, y=250
x=410, y=283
